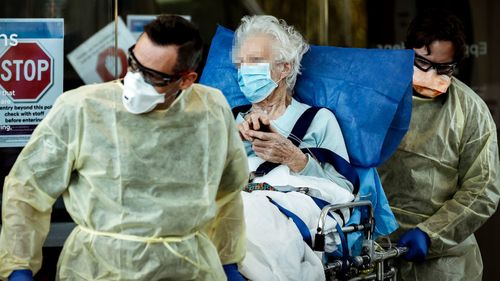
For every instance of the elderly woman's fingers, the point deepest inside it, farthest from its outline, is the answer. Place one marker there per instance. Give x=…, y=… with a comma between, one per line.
x=255, y=122
x=266, y=136
x=255, y=119
x=244, y=130
x=264, y=119
x=275, y=145
x=267, y=154
x=245, y=136
x=243, y=126
x=261, y=143
x=271, y=155
x=258, y=135
x=283, y=152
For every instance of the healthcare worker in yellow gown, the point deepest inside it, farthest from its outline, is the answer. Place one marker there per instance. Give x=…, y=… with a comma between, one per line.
x=150, y=170
x=443, y=182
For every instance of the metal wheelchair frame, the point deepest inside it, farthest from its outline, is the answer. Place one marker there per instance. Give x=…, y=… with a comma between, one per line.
x=371, y=264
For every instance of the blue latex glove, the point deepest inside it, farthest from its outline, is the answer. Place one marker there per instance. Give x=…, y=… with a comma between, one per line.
x=418, y=243
x=21, y=275
x=232, y=272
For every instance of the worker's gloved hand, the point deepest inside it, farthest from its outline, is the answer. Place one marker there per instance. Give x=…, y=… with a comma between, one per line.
x=21, y=275
x=417, y=242
x=232, y=272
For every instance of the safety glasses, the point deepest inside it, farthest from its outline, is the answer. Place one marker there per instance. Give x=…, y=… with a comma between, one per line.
x=151, y=76
x=441, y=68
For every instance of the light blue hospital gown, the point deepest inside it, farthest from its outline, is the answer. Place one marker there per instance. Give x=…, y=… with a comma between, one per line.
x=324, y=132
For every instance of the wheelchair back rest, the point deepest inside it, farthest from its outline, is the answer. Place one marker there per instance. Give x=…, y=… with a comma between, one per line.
x=369, y=90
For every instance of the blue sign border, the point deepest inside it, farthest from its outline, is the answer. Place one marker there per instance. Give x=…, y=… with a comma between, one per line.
x=33, y=28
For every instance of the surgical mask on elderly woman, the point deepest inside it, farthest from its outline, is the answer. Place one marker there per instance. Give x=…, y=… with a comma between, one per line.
x=255, y=81
x=138, y=96
x=430, y=84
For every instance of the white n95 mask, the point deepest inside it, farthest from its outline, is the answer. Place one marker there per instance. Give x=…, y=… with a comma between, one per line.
x=138, y=96
x=255, y=81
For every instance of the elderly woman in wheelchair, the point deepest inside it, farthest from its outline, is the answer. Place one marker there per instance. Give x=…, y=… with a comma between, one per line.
x=297, y=154
x=268, y=54
x=282, y=138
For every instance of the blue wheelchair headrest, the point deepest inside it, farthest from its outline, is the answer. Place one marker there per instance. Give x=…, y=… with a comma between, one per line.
x=369, y=90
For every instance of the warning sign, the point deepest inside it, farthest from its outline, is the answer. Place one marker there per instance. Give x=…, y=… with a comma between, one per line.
x=26, y=71
x=31, y=75
x=97, y=60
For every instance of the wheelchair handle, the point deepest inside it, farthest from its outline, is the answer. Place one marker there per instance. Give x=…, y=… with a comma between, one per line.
x=333, y=207
x=392, y=252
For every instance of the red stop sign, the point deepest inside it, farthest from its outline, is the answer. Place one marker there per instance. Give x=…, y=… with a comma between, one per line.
x=25, y=71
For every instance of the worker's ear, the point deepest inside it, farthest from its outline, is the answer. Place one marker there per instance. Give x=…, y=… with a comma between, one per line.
x=187, y=80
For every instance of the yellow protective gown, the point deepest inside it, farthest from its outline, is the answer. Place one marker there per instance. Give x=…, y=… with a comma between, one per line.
x=156, y=196
x=445, y=179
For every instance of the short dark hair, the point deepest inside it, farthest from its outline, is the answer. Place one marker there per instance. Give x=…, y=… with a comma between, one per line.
x=437, y=24
x=175, y=30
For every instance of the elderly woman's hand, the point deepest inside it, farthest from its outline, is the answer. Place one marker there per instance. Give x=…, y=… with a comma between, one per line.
x=253, y=121
x=273, y=147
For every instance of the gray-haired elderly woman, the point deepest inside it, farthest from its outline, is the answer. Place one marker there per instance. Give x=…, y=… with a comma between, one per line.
x=267, y=53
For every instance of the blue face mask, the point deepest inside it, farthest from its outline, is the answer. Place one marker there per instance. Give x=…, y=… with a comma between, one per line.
x=255, y=81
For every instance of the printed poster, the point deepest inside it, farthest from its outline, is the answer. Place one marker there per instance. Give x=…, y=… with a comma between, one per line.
x=94, y=60
x=31, y=75
x=136, y=23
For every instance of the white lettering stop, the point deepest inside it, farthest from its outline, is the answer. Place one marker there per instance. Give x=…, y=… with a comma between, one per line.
x=29, y=69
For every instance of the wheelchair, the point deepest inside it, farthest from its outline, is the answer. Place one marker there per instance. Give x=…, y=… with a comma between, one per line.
x=371, y=263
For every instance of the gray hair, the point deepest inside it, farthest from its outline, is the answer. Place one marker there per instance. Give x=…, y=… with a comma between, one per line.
x=291, y=45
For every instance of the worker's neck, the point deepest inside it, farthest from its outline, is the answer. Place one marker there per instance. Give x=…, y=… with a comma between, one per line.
x=169, y=99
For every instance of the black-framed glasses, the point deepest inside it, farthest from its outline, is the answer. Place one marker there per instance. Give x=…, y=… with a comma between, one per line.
x=441, y=68
x=151, y=76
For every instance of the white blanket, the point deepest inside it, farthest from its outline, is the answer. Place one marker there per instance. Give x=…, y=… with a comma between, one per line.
x=275, y=248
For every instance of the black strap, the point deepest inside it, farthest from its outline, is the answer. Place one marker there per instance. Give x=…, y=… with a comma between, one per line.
x=302, y=125
x=322, y=203
x=344, y=168
x=265, y=168
x=323, y=155
x=298, y=132
x=301, y=225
